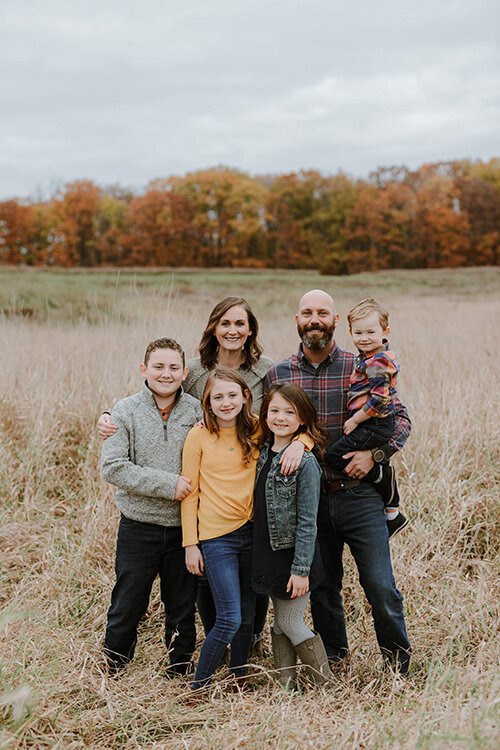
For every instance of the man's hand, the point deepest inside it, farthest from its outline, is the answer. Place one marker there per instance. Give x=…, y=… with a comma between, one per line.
x=298, y=585
x=105, y=426
x=360, y=464
x=349, y=426
x=194, y=560
x=182, y=488
x=291, y=458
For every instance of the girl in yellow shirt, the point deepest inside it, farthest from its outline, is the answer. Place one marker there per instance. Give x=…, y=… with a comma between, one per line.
x=220, y=460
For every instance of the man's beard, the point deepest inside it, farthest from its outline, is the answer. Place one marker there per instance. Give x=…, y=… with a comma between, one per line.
x=313, y=343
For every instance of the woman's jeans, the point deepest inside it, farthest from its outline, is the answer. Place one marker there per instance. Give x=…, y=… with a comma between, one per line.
x=228, y=567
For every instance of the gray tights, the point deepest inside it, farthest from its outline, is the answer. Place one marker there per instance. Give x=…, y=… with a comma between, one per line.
x=289, y=618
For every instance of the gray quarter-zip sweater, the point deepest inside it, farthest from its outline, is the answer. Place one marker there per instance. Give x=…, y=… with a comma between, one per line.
x=143, y=458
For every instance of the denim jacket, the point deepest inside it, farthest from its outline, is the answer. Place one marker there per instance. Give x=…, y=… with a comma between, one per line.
x=292, y=508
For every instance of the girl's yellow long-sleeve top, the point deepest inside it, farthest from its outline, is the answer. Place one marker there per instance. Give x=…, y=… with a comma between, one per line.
x=222, y=496
x=221, y=500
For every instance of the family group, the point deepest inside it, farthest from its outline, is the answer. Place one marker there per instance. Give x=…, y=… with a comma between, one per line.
x=240, y=480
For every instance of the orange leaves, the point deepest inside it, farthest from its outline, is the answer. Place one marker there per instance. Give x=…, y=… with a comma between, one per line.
x=74, y=213
x=440, y=215
x=17, y=229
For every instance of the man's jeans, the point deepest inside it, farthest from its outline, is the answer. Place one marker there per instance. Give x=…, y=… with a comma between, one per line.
x=356, y=517
x=143, y=551
x=228, y=567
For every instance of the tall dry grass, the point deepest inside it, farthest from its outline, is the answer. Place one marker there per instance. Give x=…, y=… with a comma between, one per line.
x=58, y=525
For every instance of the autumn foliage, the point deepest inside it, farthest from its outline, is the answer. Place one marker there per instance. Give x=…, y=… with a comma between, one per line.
x=440, y=215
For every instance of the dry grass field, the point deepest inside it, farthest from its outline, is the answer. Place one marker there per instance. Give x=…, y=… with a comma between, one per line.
x=70, y=344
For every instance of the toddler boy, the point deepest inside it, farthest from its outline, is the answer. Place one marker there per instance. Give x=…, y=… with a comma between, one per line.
x=370, y=404
x=143, y=460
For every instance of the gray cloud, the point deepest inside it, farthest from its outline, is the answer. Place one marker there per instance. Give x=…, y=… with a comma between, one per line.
x=125, y=92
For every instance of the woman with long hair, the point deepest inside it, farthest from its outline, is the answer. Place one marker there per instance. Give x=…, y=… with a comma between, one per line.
x=230, y=340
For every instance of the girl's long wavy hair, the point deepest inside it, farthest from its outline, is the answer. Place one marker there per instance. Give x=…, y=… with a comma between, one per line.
x=209, y=346
x=304, y=409
x=246, y=421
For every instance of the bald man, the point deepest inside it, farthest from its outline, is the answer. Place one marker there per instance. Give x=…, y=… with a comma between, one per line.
x=351, y=511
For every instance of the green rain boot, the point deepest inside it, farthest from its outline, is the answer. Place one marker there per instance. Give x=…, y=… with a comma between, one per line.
x=285, y=659
x=312, y=653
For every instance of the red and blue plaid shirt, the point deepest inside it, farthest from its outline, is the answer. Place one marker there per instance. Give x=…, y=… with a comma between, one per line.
x=373, y=383
x=327, y=386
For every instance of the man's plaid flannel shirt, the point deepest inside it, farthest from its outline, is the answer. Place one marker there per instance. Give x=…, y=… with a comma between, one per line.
x=327, y=386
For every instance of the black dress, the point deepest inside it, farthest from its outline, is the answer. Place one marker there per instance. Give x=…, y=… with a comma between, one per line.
x=271, y=568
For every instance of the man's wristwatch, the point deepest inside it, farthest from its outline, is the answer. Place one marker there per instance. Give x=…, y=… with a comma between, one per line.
x=378, y=455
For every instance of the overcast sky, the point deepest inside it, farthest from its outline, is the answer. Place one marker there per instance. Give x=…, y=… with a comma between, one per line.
x=122, y=92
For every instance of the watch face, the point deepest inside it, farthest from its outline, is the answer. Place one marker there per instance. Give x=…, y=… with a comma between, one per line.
x=378, y=455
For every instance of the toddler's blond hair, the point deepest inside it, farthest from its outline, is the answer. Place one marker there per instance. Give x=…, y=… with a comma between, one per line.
x=364, y=308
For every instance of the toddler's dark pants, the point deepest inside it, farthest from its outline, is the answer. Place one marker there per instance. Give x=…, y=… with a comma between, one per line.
x=374, y=433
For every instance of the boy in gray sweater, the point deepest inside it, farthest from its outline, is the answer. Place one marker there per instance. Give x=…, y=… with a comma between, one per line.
x=143, y=460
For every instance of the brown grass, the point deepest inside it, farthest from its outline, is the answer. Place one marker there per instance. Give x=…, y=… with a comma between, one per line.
x=58, y=523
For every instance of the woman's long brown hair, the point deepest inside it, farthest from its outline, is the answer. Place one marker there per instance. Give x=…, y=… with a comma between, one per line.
x=246, y=421
x=209, y=346
x=306, y=413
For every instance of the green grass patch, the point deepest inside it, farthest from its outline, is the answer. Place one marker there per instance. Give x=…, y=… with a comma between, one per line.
x=94, y=296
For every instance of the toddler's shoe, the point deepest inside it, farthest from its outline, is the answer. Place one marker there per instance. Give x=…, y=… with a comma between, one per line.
x=395, y=525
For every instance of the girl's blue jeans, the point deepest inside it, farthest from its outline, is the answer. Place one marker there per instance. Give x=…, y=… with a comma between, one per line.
x=228, y=567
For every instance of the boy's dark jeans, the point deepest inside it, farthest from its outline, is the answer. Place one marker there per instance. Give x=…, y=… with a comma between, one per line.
x=373, y=433
x=143, y=551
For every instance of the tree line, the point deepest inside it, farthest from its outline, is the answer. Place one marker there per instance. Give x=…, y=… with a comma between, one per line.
x=445, y=214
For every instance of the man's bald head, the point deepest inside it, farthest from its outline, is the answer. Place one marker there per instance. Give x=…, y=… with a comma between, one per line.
x=317, y=298
x=316, y=320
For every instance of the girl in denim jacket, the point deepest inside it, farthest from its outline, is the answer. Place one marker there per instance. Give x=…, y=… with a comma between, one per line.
x=285, y=560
